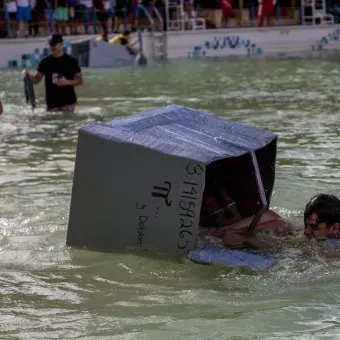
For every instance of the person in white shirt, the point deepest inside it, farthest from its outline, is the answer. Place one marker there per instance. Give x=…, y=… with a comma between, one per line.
x=11, y=15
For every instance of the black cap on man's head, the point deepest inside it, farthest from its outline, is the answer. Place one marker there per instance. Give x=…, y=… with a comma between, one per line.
x=55, y=39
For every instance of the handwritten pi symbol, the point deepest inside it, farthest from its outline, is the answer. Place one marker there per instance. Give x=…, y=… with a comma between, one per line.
x=163, y=192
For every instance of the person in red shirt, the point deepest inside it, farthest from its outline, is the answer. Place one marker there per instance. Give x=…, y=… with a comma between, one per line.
x=227, y=10
x=266, y=10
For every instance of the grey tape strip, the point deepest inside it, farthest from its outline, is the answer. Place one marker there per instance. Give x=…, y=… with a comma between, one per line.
x=259, y=179
x=263, y=198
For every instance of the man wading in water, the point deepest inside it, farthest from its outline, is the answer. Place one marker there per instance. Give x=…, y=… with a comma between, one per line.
x=62, y=73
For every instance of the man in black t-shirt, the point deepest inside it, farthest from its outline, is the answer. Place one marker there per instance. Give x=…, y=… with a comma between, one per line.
x=62, y=73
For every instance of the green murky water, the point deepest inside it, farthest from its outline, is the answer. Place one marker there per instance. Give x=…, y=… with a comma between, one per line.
x=48, y=291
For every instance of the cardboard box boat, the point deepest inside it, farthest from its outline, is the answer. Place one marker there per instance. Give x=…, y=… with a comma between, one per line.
x=139, y=180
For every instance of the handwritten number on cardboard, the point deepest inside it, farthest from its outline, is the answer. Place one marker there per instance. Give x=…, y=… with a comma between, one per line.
x=185, y=205
x=183, y=233
x=183, y=225
x=140, y=206
x=193, y=190
x=194, y=169
x=180, y=246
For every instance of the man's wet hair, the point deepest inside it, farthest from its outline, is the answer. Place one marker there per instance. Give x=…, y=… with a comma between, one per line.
x=327, y=207
x=126, y=32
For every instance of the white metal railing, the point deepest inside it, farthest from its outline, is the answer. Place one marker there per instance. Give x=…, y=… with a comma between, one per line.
x=157, y=36
x=149, y=16
x=318, y=11
x=182, y=22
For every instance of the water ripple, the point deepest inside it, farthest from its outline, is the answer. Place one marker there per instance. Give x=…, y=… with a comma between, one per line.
x=48, y=291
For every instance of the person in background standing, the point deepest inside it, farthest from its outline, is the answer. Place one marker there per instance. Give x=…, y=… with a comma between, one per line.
x=227, y=10
x=11, y=15
x=189, y=10
x=33, y=25
x=23, y=16
x=266, y=10
x=102, y=15
x=38, y=11
x=87, y=7
x=72, y=7
x=50, y=14
x=61, y=17
x=110, y=7
x=121, y=9
x=1, y=107
x=42, y=7
x=135, y=14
